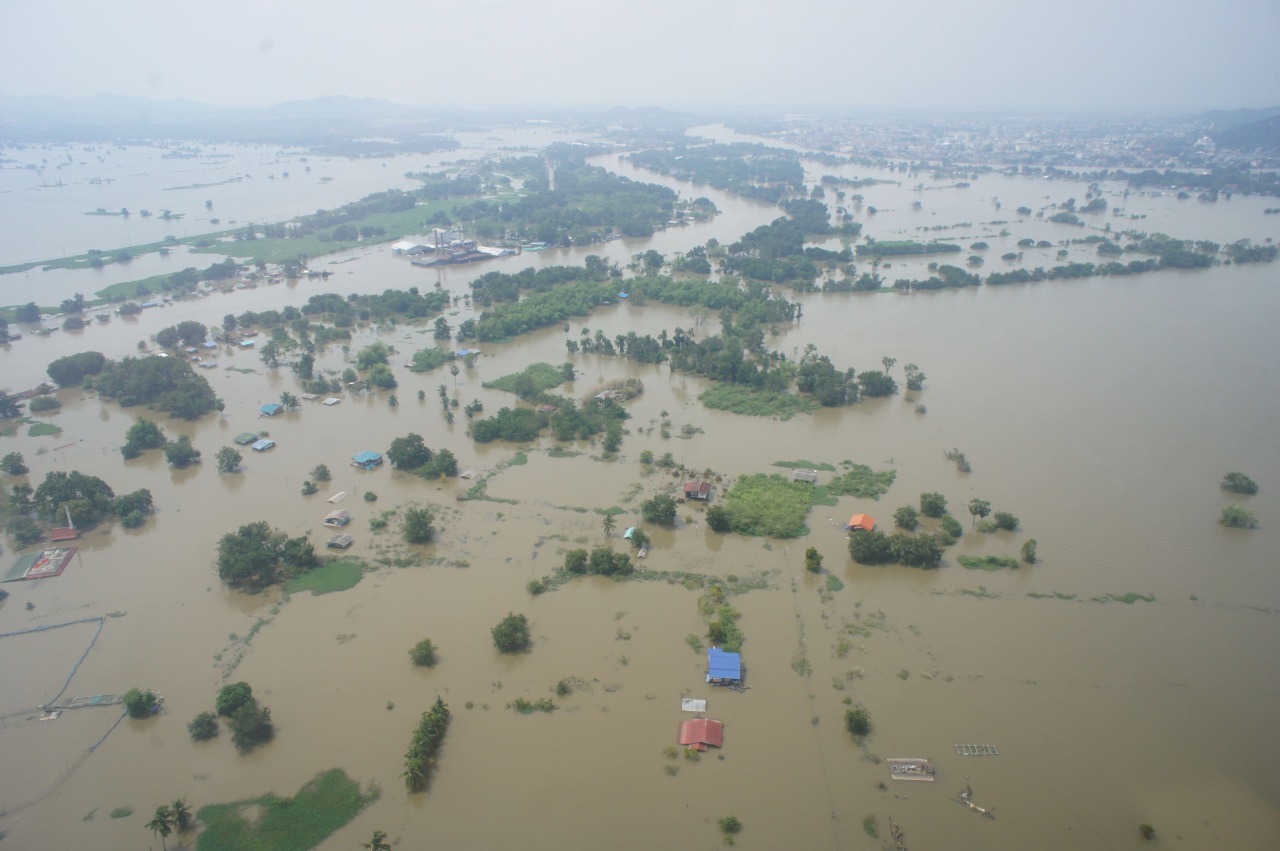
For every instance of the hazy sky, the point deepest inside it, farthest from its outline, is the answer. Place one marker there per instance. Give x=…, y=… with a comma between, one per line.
x=1109, y=55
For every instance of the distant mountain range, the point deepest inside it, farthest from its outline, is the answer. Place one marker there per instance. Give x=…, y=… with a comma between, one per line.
x=1245, y=129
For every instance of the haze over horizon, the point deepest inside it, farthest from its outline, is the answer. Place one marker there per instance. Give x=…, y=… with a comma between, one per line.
x=1143, y=56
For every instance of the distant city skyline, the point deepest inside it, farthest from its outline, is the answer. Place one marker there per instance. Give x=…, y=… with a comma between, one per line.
x=1136, y=56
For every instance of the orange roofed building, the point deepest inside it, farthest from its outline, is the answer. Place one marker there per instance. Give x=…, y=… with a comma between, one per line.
x=862, y=521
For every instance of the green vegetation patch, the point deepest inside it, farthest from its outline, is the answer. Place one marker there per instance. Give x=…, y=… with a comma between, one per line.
x=322, y=806
x=988, y=562
x=768, y=505
x=335, y=576
x=122, y=812
x=43, y=429
x=737, y=399
x=1131, y=598
x=858, y=481
x=805, y=464
x=534, y=378
x=1056, y=595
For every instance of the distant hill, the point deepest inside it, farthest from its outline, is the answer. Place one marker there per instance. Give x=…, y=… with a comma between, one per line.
x=1223, y=120
x=1264, y=134
x=364, y=109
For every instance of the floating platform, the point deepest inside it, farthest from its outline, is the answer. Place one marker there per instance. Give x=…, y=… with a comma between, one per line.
x=910, y=769
x=977, y=750
x=82, y=702
x=693, y=704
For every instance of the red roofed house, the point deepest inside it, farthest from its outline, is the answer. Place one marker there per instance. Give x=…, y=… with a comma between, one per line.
x=862, y=521
x=701, y=732
x=697, y=490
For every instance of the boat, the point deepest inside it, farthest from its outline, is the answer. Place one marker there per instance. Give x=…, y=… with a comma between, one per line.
x=966, y=797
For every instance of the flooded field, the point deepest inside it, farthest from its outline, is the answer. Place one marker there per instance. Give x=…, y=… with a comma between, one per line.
x=1102, y=412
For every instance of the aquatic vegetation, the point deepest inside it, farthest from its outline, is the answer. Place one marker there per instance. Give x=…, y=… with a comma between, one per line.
x=756, y=403
x=858, y=480
x=768, y=505
x=1128, y=599
x=988, y=562
x=805, y=464
x=334, y=576
x=320, y=807
x=528, y=707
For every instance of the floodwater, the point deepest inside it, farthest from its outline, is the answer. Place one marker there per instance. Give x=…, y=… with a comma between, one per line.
x=1102, y=412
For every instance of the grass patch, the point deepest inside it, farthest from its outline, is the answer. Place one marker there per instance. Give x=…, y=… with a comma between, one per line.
x=804, y=464
x=480, y=491
x=755, y=403
x=557, y=452
x=1056, y=595
x=768, y=505
x=322, y=806
x=1131, y=598
x=858, y=481
x=335, y=576
x=981, y=593
x=988, y=562
x=834, y=583
x=122, y=812
x=528, y=707
x=42, y=429
x=518, y=460
x=541, y=377
x=870, y=827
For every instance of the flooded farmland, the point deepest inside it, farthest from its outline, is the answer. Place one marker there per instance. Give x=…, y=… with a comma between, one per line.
x=1102, y=412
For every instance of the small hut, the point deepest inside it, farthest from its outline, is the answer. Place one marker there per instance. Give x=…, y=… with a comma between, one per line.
x=337, y=519
x=367, y=460
x=701, y=733
x=865, y=522
x=272, y=409
x=723, y=668
x=697, y=490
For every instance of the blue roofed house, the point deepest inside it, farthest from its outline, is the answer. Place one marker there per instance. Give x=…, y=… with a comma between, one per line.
x=271, y=409
x=367, y=460
x=723, y=668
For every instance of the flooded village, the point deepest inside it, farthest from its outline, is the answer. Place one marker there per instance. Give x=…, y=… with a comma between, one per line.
x=1120, y=676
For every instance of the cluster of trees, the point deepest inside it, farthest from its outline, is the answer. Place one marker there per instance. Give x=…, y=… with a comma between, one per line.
x=165, y=384
x=776, y=252
x=411, y=454
x=1238, y=482
x=427, y=738
x=170, y=817
x=875, y=547
x=601, y=561
x=189, y=333
x=72, y=369
x=660, y=509
x=511, y=634
x=905, y=248
x=257, y=555
x=586, y=203
x=249, y=721
x=944, y=277
x=751, y=170
x=88, y=500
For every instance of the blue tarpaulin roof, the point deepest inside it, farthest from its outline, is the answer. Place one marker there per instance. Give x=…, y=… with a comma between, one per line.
x=722, y=665
x=365, y=457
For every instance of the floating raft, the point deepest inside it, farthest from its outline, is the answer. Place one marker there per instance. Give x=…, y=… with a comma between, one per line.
x=904, y=768
x=977, y=750
x=92, y=700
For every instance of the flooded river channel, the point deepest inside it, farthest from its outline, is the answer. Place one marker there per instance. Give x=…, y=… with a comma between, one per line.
x=1102, y=412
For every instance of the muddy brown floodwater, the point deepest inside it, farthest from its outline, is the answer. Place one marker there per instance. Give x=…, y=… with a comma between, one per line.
x=1102, y=412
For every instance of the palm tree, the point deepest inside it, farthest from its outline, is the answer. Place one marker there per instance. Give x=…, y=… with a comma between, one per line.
x=181, y=814
x=608, y=524
x=161, y=825
x=378, y=842
x=453, y=370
